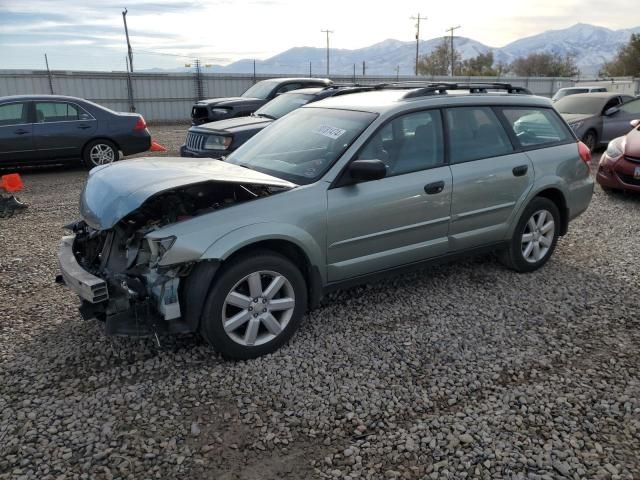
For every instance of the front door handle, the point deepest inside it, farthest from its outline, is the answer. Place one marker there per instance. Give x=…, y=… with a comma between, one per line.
x=433, y=188
x=21, y=131
x=84, y=127
x=520, y=171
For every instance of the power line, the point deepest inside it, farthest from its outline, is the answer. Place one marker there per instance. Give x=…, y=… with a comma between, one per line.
x=327, y=32
x=418, y=20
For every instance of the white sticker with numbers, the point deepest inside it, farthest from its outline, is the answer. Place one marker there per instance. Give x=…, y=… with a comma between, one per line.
x=328, y=131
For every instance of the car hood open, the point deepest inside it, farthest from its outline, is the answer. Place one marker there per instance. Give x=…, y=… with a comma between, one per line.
x=113, y=191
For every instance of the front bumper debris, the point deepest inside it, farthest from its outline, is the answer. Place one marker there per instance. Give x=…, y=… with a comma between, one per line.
x=89, y=287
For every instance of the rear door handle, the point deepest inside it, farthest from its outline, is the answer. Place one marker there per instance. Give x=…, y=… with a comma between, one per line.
x=21, y=131
x=433, y=188
x=520, y=171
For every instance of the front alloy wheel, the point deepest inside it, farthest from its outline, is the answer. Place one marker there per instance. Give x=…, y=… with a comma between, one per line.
x=254, y=306
x=258, y=308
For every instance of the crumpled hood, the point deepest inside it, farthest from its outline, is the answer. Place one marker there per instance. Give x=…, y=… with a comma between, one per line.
x=113, y=191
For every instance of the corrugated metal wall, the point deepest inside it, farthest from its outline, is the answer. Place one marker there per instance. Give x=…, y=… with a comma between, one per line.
x=169, y=97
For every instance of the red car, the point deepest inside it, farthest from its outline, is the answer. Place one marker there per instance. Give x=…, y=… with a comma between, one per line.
x=619, y=167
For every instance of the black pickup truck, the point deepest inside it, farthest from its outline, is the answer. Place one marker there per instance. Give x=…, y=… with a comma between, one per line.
x=230, y=107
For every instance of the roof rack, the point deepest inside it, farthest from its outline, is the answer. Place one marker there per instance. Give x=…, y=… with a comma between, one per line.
x=420, y=89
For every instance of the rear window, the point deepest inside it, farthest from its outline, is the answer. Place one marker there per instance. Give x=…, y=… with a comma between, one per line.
x=535, y=126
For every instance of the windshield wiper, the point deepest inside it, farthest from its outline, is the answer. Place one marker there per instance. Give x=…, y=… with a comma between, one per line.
x=265, y=115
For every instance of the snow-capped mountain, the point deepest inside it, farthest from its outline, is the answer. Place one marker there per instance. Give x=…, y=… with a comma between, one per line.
x=591, y=46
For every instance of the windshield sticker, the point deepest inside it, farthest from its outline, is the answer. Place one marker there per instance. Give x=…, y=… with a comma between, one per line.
x=328, y=131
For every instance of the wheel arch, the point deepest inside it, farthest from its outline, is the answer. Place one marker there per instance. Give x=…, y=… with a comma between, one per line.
x=557, y=197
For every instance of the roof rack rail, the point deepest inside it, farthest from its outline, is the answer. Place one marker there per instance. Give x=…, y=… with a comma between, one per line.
x=420, y=89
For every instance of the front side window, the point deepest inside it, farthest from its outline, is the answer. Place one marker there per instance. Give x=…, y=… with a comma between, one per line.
x=13, y=114
x=475, y=133
x=408, y=143
x=47, y=112
x=288, y=87
x=535, y=126
x=631, y=107
x=260, y=90
x=302, y=146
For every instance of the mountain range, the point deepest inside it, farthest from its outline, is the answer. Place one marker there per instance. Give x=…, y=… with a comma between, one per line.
x=591, y=46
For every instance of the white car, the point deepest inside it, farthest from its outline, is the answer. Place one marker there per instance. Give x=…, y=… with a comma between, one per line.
x=564, y=92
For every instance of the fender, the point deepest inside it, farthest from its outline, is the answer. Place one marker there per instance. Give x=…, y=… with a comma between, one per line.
x=227, y=245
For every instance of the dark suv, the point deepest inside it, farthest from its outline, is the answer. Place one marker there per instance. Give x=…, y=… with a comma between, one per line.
x=229, y=107
x=217, y=139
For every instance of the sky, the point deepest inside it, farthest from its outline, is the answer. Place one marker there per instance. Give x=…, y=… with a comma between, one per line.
x=89, y=34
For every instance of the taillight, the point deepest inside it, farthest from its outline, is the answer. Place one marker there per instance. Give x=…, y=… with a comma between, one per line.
x=585, y=153
x=140, y=124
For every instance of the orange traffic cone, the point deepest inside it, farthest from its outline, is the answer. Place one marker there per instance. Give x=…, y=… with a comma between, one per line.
x=11, y=183
x=156, y=147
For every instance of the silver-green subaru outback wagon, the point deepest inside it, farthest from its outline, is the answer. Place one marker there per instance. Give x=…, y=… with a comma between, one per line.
x=334, y=193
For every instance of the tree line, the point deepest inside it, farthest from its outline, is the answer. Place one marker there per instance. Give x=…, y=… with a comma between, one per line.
x=439, y=63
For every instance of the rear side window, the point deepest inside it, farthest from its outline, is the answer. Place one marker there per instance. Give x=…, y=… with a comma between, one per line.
x=13, y=114
x=535, y=126
x=47, y=112
x=475, y=133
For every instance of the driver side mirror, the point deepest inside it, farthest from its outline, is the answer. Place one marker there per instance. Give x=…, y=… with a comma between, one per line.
x=635, y=123
x=611, y=111
x=367, y=170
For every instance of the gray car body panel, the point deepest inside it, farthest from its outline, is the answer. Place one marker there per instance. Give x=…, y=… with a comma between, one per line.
x=351, y=231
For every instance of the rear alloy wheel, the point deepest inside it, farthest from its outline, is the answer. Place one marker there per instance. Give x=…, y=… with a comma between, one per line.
x=590, y=139
x=255, y=305
x=100, y=152
x=535, y=236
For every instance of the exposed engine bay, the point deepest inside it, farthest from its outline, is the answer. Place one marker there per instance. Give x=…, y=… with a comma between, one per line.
x=138, y=287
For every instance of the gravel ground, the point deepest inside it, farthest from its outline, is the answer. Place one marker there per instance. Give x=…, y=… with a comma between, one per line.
x=466, y=370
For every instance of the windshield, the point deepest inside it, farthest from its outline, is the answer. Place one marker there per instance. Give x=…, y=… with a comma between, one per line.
x=302, y=146
x=587, y=104
x=280, y=106
x=260, y=90
x=563, y=92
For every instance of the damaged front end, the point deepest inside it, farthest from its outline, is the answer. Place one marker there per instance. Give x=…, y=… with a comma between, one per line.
x=117, y=271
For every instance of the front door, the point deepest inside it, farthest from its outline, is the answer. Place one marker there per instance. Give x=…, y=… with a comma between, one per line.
x=61, y=129
x=16, y=133
x=402, y=218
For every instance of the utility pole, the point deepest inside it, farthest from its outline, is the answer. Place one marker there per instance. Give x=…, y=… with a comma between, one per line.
x=364, y=68
x=453, y=53
x=418, y=19
x=327, y=32
x=46, y=60
x=397, y=73
x=254, y=71
x=310, y=74
x=126, y=31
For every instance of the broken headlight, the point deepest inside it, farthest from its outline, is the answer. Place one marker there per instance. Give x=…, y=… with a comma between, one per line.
x=160, y=246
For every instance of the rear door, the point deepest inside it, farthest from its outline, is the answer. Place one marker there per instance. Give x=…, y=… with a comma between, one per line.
x=61, y=129
x=16, y=133
x=402, y=218
x=617, y=124
x=490, y=178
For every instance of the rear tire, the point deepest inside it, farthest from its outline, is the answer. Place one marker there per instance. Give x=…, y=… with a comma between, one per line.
x=254, y=306
x=99, y=152
x=590, y=139
x=534, y=238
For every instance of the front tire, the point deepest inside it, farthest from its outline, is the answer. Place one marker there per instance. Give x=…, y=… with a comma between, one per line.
x=254, y=306
x=535, y=236
x=99, y=152
x=590, y=139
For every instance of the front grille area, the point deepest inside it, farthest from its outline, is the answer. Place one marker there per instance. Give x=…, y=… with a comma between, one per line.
x=629, y=180
x=195, y=141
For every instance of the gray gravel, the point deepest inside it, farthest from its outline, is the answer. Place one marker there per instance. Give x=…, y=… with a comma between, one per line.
x=463, y=371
